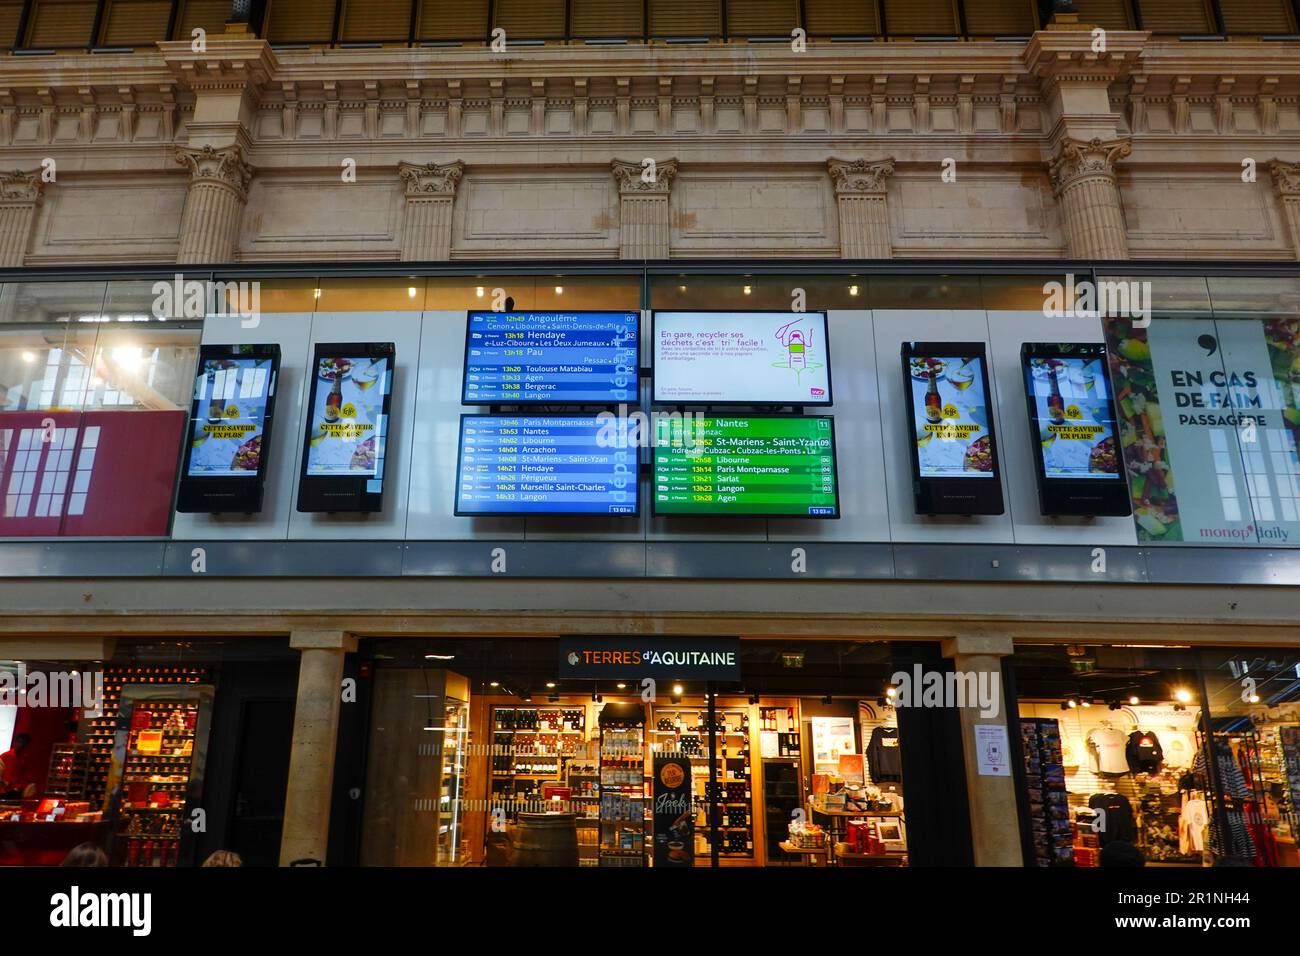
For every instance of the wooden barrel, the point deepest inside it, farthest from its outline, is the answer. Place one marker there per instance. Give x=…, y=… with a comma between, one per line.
x=546, y=839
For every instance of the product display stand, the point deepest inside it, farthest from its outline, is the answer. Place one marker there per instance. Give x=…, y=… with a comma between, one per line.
x=622, y=786
x=69, y=765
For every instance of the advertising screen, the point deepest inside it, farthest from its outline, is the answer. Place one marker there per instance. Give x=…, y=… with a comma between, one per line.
x=768, y=466
x=230, y=411
x=555, y=358
x=521, y=465
x=347, y=416
x=741, y=358
x=1071, y=404
x=951, y=416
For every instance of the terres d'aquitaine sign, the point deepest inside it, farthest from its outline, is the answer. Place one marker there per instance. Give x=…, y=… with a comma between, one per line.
x=680, y=658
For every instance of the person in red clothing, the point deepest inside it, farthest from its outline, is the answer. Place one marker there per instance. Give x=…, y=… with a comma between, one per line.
x=15, y=776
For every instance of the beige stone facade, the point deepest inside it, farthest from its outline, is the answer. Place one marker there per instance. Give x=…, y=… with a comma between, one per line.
x=1153, y=149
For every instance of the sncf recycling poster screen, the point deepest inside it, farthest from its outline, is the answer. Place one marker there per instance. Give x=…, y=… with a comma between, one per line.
x=741, y=358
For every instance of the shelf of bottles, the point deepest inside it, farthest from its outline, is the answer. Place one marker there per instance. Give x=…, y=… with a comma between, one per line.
x=453, y=842
x=530, y=746
x=685, y=730
x=623, y=803
x=98, y=731
x=583, y=777
x=69, y=765
x=155, y=780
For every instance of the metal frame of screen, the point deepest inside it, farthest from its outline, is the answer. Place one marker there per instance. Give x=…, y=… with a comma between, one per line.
x=654, y=338
x=636, y=364
x=983, y=488
x=245, y=491
x=1113, y=492
x=684, y=516
x=460, y=459
x=312, y=488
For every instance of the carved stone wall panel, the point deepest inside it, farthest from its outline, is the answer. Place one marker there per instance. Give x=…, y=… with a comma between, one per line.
x=754, y=212
x=535, y=213
x=982, y=213
x=318, y=216
x=109, y=221
x=1202, y=215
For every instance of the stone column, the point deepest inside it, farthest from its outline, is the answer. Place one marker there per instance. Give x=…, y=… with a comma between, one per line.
x=20, y=194
x=863, y=205
x=214, y=205
x=1286, y=179
x=994, y=820
x=644, y=229
x=1083, y=178
x=430, y=195
x=315, y=734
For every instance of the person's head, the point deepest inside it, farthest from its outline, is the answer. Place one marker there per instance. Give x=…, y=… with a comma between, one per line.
x=85, y=854
x=21, y=741
x=1121, y=853
x=224, y=858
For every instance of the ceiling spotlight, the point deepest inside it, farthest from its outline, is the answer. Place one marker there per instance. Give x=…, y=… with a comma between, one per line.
x=853, y=290
x=410, y=290
x=677, y=690
x=621, y=686
x=494, y=684
x=1085, y=702
x=1254, y=698
x=480, y=292
x=1183, y=695
x=1133, y=700
x=559, y=290
x=1071, y=703
x=439, y=657
x=550, y=683
x=891, y=691
x=748, y=289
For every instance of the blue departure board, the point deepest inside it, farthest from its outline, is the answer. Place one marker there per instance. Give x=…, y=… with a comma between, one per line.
x=535, y=465
x=551, y=358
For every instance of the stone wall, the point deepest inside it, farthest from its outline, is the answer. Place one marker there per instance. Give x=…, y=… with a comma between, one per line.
x=1151, y=149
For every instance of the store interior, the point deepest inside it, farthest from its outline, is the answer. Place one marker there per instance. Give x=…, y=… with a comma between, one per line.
x=1115, y=741
x=803, y=768
x=120, y=753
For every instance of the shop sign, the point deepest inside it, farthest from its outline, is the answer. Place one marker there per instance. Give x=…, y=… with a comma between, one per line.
x=684, y=658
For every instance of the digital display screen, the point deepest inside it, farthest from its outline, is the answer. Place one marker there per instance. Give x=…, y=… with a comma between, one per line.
x=773, y=467
x=347, y=420
x=1071, y=403
x=582, y=358
x=519, y=465
x=741, y=358
x=230, y=402
x=951, y=416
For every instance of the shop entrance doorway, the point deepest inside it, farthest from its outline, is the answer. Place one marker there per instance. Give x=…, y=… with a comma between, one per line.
x=487, y=752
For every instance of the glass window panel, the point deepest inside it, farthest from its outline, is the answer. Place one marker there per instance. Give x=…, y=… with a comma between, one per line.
x=1181, y=294
x=1255, y=295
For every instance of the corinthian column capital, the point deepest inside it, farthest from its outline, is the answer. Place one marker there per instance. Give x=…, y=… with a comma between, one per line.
x=221, y=166
x=857, y=176
x=20, y=187
x=1076, y=160
x=431, y=179
x=1286, y=177
x=644, y=179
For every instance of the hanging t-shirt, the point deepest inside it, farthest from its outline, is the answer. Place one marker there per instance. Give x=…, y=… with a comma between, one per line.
x=1119, y=823
x=1143, y=752
x=1178, y=751
x=1106, y=750
x=883, y=756
x=1191, y=826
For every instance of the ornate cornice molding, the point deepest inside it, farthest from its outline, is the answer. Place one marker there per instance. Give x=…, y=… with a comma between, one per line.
x=430, y=179
x=859, y=176
x=1286, y=177
x=226, y=63
x=17, y=186
x=629, y=175
x=225, y=166
x=1068, y=55
x=1076, y=159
